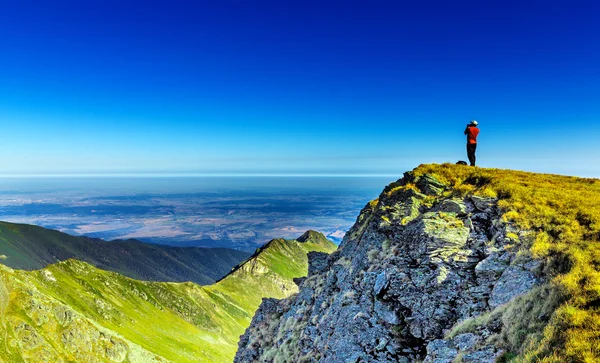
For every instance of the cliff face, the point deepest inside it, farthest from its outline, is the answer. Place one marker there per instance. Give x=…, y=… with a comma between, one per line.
x=420, y=276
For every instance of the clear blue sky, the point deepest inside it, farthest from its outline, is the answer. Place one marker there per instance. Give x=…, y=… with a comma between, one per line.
x=297, y=86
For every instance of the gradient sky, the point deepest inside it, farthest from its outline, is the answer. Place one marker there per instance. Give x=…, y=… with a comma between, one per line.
x=334, y=87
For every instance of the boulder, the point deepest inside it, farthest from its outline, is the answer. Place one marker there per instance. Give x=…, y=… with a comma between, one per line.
x=515, y=281
x=429, y=185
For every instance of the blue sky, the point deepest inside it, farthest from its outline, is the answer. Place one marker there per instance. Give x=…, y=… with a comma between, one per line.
x=332, y=87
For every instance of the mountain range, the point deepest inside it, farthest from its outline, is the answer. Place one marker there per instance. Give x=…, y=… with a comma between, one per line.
x=30, y=247
x=71, y=311
x=449, y=264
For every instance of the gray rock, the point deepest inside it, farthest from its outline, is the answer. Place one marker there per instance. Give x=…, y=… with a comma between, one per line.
x=317, y=262
x=468, y=223
x=116, y=350
x=404, y=275
x=487, y=355
x=480, y=217
x=430, y=185
x=382, y=282
x=454, y=206
x=492, y=267
x=299, y=280
x=515, y=281
x=466, y=259
x=64, y=315
x=27, y=337
x=465, y=341
x=483, y=204
x=446, y=236
x=440, y=351
x=382, y=344
x=385, y=313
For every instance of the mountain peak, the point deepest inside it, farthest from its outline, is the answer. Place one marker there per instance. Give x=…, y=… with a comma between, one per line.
x=449, y=263
x=313, y=236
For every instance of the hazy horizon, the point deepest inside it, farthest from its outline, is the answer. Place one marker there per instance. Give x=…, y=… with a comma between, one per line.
x=234, y=212
x=546, y=167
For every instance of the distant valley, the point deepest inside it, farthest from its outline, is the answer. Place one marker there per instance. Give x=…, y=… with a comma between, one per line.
x=231, y=212
x=31, y=247
x=73, y=311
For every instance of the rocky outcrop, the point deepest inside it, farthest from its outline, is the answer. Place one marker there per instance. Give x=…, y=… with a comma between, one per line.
x=417, y=268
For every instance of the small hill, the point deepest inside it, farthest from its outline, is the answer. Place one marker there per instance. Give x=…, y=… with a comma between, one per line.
x=450, y=264
x=29, y=247
x=73, y=312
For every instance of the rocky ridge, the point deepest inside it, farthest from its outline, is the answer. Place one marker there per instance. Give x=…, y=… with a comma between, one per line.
x=71, y=311
x=421, y=276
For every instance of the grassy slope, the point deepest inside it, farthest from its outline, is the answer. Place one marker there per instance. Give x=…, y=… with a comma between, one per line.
x=564, y=215
x=30, y=247
x=182, y=322
x=269, y=273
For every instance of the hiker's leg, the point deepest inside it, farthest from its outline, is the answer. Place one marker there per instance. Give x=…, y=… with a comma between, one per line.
x=474, y=157
x=470, y=154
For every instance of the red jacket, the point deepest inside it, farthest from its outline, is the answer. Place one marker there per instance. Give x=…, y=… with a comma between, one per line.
x=472, y=132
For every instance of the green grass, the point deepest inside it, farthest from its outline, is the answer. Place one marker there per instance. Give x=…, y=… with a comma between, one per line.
x=31, y=247
x=181, y=322
x=563, y=213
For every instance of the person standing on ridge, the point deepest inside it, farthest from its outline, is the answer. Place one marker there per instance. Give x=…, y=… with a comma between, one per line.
x=472, y=131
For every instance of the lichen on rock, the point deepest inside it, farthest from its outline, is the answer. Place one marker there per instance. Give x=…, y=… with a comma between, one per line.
x=417, y=262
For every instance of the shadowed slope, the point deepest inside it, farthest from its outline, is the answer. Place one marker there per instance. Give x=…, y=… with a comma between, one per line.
x=30, y=247
x=72, y=311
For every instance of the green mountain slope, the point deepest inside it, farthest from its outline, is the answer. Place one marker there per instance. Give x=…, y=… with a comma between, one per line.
x=74, y=312
x=29, y=247
x=270, y=272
